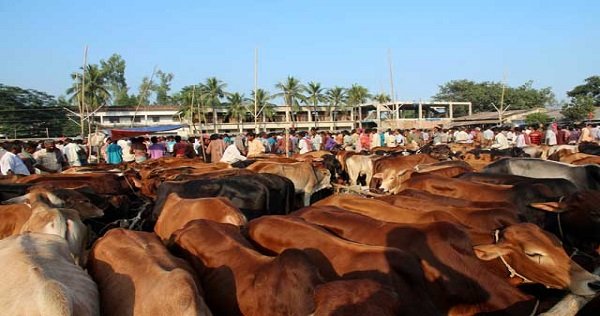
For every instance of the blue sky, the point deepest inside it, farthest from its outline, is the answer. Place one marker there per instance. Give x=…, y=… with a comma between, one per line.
x=553, y=43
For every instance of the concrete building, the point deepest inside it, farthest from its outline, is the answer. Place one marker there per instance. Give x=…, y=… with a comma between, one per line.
x=390, y=115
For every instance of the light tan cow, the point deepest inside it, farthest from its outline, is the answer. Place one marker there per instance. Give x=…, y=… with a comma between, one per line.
x=178, y=211
x=306, y=178
x=43, y=216
x=358, y=165
x=39, y=278
x=136, y=275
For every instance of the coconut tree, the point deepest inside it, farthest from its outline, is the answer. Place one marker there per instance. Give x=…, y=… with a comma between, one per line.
x=291, y=91
x=358, y=95
x=336, y=100
x=188, y=100
x=212, y=91
x=96, y=88
x=314, y=95
x=381, y=98
x=265, y=107
x=236, y=107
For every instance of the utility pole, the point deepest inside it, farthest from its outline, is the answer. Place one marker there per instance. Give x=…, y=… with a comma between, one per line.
x=82, y=101
x=502, y=109
x=392, y=95
x=192, y=109
x=256, y=89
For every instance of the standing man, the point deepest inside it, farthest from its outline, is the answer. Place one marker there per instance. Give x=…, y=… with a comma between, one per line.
x=11, y=164
x=216, y=148
x=72, y=152
x=550, y=136
x=49, y=159
x=500, y=140
x=156, y=150
x=535, y=137
x=255, y=146
x=114, y=153
x=488, y=136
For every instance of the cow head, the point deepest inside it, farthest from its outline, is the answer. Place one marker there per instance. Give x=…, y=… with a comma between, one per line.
x=323, y=179
x=392, y=180
x=62, y=198
x=538, y=256
x=579, y=214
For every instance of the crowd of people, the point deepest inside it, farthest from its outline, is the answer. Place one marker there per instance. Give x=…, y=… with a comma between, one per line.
x=49, y=156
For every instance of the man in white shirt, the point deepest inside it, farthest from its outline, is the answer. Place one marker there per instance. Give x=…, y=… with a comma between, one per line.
x=488, y=136
x=399, y=138
x=520, y=139
x=11, y=164
x=71, y=151
x=461, y=136
x=232, y=155
x=304, y=144
x=125, y=144
x=317, y=140
x=550, y=137
x=500, y=141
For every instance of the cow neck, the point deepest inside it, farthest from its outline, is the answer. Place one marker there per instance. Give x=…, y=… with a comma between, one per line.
x=511, y=270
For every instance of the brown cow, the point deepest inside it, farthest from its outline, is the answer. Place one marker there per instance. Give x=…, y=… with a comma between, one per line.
x=136, y=275
x=177, y=212
x=390, y=167
x=394, y=183
x=238, y=280
x=336, y=258
x=356, y=297
x=462, y=283
x=101, y=183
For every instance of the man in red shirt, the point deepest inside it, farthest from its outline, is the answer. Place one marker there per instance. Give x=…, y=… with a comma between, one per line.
x=535, y=137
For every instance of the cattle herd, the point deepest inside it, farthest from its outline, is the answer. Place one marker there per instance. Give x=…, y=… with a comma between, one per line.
x=444, y=230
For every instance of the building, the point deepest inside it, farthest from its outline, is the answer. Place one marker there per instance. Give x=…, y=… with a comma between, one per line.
x=371, y=115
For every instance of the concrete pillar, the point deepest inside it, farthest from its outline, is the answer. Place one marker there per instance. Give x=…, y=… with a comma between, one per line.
x=451, y=110
x=470, y=109
x=420, y=111
x=287, y=115
x=310, y=118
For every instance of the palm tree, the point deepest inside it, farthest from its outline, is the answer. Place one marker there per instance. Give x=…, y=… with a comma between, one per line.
x=263, y=101
x=236, y=107
x=381, y=98
x=212, y=91
x=336, y=99
x=291, y=91
x=187, y=99
x=314, y=95
x=96, y=88
x=358, y=95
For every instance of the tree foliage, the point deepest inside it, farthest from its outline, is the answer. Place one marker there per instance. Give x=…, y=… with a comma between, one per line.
x=163, y=87
x=591, y=88
x=17, y=106
x=113, y=70
x=537, y=118
x=483, y=95
x=579, y=108
x=91, y=92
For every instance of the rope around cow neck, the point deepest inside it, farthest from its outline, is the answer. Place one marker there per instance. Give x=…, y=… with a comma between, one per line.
x=510, y=269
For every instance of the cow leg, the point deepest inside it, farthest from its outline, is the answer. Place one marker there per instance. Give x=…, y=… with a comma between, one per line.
x=307, y=198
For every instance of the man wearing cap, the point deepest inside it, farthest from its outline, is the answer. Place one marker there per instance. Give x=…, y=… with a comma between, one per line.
x=49, y=159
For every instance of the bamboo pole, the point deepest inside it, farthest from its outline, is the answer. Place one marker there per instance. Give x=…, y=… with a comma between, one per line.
x=256, y=90
x=142, y=93
x=192, y=109
x=392, y=95
x=82, y=105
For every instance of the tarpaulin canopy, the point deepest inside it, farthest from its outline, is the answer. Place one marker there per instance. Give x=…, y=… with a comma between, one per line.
x=136, y=131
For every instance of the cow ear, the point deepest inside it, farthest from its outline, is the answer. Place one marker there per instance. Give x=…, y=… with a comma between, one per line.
x=489, y=252
x=18, y=200
x=378, y=175
x=553, y=207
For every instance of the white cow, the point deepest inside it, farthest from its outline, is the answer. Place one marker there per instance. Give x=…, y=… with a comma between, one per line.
x=39, y=278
